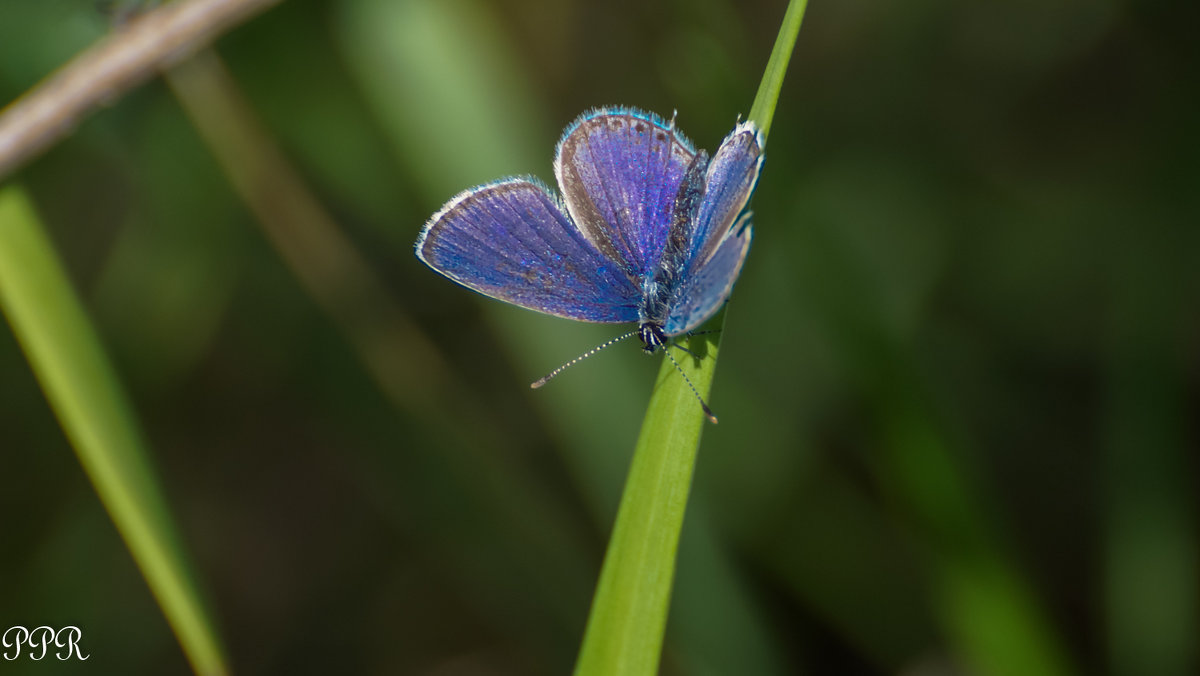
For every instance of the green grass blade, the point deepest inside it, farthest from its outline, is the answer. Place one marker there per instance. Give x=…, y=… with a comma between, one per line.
x=629, y=611
x=625, y=629
x=763, y=110
x=992, y=617
x=77, y=379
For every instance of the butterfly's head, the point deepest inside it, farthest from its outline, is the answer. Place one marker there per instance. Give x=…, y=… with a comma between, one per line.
x=652, y=336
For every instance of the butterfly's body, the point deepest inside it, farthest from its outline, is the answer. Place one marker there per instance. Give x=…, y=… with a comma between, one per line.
x=648, y=230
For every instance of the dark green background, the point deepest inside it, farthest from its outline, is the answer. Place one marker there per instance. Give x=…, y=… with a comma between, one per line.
x=960, y=365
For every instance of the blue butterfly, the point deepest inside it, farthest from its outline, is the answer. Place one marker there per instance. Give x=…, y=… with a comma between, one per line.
x=648, y=229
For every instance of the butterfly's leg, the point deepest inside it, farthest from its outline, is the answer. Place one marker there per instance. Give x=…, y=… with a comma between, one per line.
x=694, y=355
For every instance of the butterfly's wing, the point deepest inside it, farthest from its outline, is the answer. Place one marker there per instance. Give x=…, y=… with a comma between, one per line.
x=619, y=170
x=720, y=239
x=732, y=175
x=702, y=293
x=511, y=240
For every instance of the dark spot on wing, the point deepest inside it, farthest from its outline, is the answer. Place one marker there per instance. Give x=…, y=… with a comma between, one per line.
x=570, y=272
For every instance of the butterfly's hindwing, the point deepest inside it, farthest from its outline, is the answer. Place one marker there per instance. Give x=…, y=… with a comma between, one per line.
x=703, y=292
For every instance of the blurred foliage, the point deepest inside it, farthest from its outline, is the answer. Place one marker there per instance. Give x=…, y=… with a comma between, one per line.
x=959, y=371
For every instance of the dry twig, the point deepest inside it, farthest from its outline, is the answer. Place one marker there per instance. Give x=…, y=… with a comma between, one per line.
x=116, y=64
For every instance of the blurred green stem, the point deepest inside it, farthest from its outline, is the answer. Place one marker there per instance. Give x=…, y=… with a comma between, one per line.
x=1152, y=556
x=994, y=619
x=333, y=272
x=70, y=364
x=625, y=629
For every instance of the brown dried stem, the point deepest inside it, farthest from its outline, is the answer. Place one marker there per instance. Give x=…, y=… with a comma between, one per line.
x=116, y=64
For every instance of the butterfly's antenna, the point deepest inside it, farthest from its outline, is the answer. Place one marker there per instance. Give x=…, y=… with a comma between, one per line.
x=580, y=358
x=707, y=411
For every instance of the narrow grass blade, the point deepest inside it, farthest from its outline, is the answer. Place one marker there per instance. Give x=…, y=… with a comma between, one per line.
x=1152, y=555
x=991, y=616
x=77, y=379
x=628, y=619
x=762, y=112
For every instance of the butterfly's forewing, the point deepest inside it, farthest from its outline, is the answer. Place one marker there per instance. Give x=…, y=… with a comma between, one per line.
x=720, y=238
x=619, y=171
x=701, y=293
x=732, y=174
x=511, y=240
